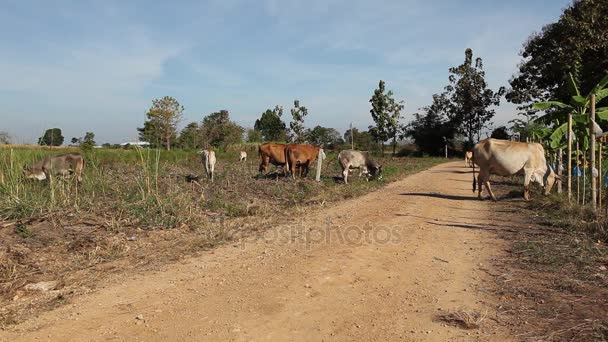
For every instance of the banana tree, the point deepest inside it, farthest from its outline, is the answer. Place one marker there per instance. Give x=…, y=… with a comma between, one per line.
x=578, y=107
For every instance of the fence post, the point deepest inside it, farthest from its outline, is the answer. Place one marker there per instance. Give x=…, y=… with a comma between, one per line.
x=601, y=179
x=569, y=157
x=446, y=151
x=320, y=158
x=560, y=170
x=592, y=147
x=578, y=169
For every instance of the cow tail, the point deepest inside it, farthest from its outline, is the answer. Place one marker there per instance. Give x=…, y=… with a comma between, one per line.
x=474, y=180
x=287, y=171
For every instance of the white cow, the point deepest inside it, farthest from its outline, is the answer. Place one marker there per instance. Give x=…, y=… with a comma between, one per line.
x=351, y=159
x=506, y=158
x=242, y=156
x=208, y=160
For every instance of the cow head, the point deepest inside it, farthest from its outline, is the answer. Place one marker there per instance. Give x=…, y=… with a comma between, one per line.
x=375, y=170
x=30, y=173
x=550, y=178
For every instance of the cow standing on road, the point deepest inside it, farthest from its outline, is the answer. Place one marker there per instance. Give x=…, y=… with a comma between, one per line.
x=506, y=158
x=468, y=159
x=351, y=159
x=208, y=160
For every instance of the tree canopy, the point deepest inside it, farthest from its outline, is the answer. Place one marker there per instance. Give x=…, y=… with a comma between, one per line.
x=431, y=130
x=51, y=137
x=189, y=137
x=161, y=126
x=470, y=100
x=219, y=131
x=298, y=131
x=271, y=126
x=386, y=113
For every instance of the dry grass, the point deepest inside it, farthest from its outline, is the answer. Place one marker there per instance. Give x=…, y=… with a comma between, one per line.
x=136, y=210
x=462, y=318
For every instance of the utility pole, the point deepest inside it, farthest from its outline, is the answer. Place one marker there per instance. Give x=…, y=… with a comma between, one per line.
x=352, y=138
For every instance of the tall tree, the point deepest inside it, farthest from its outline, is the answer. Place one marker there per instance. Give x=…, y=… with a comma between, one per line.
x=163, y=118
x=386, y=113
x=470, y=98
x=189, y=137
x=219, y=131
x=362, y=140
x=51, y=137
x=88, y=141
x=298, y=131
x=432, y=129
x=577, y=43
x=324, y=135
x=271, y=126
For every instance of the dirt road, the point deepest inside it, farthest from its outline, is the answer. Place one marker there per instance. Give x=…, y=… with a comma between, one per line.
x=378, y=267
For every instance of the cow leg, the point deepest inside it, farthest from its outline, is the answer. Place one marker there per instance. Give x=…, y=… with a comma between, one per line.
x=484, y=179
x=487, y=184
x=345, y=174
x=527, y=179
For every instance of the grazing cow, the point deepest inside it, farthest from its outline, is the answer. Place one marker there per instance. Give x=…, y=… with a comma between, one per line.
x=301, y=156
x=506, y=158
x=271, y=153
x=63, y=165
x=208, y=159
x=351, y=159
x=468, y=159
x=242, y=156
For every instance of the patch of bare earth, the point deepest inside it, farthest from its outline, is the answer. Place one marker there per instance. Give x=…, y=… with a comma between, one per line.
x=388, y=265
x=552, y=282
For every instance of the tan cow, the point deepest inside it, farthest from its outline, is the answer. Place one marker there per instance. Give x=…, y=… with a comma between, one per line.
x=63, y=165
x=243, y=156
x=506, y=158
x=271, y=153
x=301, y=156
x=468, y=156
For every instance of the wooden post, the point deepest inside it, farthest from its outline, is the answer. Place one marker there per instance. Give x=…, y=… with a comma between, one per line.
x=578, y=169
x=446, y=151
x=584, y=176
x=569, y=157
x=592, y=147
x=560, y=170
x=320, y=158
x=601, y=179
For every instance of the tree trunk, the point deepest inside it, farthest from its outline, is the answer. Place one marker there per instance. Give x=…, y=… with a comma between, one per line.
x=394, y=144
x=559, y=171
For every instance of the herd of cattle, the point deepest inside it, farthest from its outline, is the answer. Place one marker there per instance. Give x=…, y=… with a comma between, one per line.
x=492, y=156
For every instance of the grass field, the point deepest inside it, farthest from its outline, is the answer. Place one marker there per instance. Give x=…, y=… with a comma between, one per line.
x=135, y=209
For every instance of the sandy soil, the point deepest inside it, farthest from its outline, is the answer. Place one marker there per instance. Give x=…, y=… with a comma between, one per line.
x=378, y=267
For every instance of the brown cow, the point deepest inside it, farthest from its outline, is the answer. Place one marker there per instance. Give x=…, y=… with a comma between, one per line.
x=271, y=153
x=301, y=156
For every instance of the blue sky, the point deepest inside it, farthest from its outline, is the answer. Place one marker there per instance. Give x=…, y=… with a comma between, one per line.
x=97, y=65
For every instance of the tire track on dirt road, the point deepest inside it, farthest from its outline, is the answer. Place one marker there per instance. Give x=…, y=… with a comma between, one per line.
x=377, y=267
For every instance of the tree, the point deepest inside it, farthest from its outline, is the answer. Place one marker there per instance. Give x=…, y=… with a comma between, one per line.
x=5, y=138
x=217, y=130
x=298, y=131
x=76, y=141
x=271, y=126
x=470, y=99
x=500, y=132
x=431, y=130
x=253, y=135
x=386, y=113
x=362, y=140
x=189, y=138
x=577, y=43
x=324, y=136
x=163, y=118
x=51, y=137
x=88, y=141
